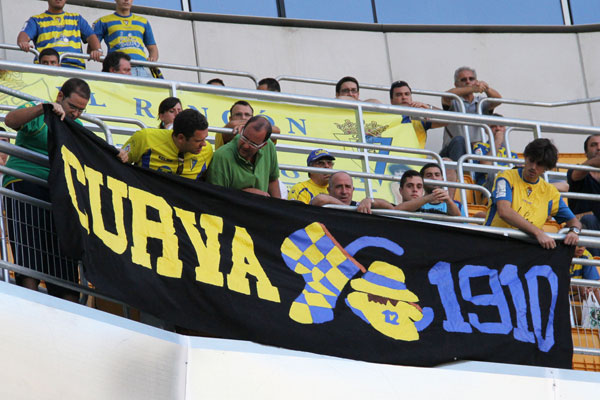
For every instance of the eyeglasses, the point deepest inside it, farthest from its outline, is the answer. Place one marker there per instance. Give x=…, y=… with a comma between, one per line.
x=347, y=90
x=80, y=110
x=251, y=143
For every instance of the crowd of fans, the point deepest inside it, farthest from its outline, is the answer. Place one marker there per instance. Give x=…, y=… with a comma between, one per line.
x=246, y=158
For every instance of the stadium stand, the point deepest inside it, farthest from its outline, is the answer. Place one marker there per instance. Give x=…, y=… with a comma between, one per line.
x=368, y=152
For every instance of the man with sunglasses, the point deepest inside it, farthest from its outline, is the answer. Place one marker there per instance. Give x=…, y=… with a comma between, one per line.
x=317, y=184
x=29, y=224
x=468, y=87
x=249, y=161
x=182, y=151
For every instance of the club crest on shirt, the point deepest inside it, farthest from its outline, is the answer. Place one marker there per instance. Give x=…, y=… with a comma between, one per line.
x=529, y=190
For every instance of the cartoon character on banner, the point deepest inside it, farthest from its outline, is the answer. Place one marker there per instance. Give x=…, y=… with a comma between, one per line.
x=380, y=299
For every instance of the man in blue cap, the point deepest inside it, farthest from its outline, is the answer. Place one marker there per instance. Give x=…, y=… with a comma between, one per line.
x=317, y=184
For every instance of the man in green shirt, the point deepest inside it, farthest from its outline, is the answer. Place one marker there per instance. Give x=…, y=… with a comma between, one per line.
x=249, y=161
x=31, y=229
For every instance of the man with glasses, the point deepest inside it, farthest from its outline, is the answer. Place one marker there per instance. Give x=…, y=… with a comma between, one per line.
x=347, y=88
x=466, y=86
x=249, y=161
x=31, y=229
x=182, y=151
x=317, y=184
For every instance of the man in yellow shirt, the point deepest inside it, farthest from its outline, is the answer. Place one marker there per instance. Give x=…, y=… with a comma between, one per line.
x=522, y=200
x=317, y=184
x=182, y=151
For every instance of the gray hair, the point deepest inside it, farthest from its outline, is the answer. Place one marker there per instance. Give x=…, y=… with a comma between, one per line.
x=461, y=69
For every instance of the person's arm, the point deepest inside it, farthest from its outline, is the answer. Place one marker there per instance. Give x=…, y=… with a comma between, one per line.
x=323, y=199
x=19, y=117
x=577, y=175
x=367, y=205
x=123, y=156
x=237, y=126
x=460, y=91
x=152, y=52
x=274, y=190
x=442, y=196
x=572, y=238
x=417, y=104
x=94, y=47
x=415, y=204
x=491, y=93
x=23, y=41
x=511, y=217
x=256, y=191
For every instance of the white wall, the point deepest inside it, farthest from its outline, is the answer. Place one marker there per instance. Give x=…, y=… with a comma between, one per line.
x=528, y=66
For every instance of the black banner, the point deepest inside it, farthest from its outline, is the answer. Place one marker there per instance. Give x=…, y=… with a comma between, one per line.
x=241, y=266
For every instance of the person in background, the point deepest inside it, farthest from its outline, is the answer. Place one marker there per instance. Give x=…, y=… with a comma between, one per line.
x=117, y=63
x=216, y=82
x=49, y=57
x=167, y=111
x=317, y=182
x=269, y=84
x=128, y=33
x=62, y=31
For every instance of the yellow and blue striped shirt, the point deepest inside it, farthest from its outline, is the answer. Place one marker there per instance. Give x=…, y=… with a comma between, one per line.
x=63, y=32
x=126, y=34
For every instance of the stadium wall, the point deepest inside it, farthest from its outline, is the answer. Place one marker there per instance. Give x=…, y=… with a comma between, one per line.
x=528, y=63
x=53, y=349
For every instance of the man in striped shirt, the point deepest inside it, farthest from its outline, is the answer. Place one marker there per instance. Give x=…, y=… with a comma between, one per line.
x=61, y=31
x=128, y=33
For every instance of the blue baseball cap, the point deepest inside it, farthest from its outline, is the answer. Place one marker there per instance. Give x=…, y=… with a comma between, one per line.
x=318, y=155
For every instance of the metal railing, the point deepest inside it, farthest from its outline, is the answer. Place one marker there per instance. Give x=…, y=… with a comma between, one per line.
x=180, y=67
x=7, y=46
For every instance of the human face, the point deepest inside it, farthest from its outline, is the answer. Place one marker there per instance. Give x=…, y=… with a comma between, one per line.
x=412, y=189
x=532, y=170
x=321, y=179
x=168, y=116
x=341, y=187
x=579, y=251
x=349, y=88
x=593, y=147
x=251, y=141
x=124, y=67
x=74, y=105
x=465, y=78
x=401, y=96
x=124, y=5
x=56, y=6
x=194, y=144
x=241, y=112
x=49, y=60
x=264, y=86
x=433, y=173
x=498, y=131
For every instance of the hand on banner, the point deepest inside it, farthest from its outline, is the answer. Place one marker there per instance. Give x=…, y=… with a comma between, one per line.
x=544, y=240
x=58, y=110
x=123, y=156
x=365, y=206
x=256, y=191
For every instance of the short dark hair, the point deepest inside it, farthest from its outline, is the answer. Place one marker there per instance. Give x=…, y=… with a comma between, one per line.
x=113, y=59
x=427, y=166
x=585, y=144
x=188, y=122
x=543, y=152
x=272, y=84
x=48, y=52
x=398, y=84
x=240, y=103
x=261, y=123
x=216, y=80
x=408, y=174
x=338, y=86
x=76, y=85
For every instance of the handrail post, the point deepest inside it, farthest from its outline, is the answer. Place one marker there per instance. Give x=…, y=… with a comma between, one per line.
x=365, y=152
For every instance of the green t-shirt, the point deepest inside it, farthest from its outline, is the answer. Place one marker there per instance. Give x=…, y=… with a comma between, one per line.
x=230, y=170
x=32, y=136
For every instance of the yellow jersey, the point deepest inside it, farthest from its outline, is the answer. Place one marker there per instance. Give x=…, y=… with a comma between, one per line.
x=154, y=148
x=305, y=191
x=533, y=201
